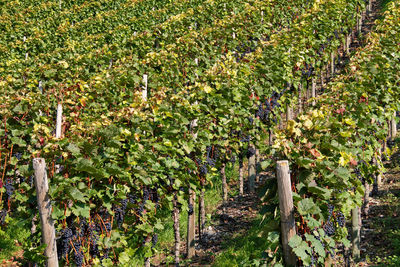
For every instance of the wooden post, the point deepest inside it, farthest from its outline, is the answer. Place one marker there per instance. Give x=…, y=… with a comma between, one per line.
x=322, y=77
x=289, y=113
x=333, y=63
x=369, y=7
x=366, y=198
x=348, y=43
x=258, y=164
x=379, y=177
x=355, y=233
x=300, y=104
x=252, y=171
x=224, y=184
x=144, y=91
x=393, y=127
x=190, y=248
x=286, y=209
x=262, y=16
x=59, y=120
x=44, y=204
x=58, y=129
x=313, y=91
x=359, y=21
x=196, y=61
x=202, y=213
x=271, y=137
x=327, y=72
x=241, y=174
x=177, y=235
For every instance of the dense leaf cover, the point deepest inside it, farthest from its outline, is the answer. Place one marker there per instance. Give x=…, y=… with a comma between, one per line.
x=122, y=158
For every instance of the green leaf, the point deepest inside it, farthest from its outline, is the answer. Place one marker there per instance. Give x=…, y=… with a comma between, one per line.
x=317, y=245
x=74, y=149
x=307, y=206
x=76, y=194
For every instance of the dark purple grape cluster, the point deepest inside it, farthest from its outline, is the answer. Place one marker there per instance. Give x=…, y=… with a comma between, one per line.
x=132, y=198
x=67, y=235
x=308, y=70
x=245, y=139
x=146, y=194
x=203, y=170
x=313, y=261
x=120, y=212
x=78, y=254
x=93, y=230
x=245, y=48
x=154, y=240
x=107, y=225
x=232, y=159
x=329, y=229
x=9, y=188
x=340, y=219
x=265, y=111
x=3, y=215
x=359, y=175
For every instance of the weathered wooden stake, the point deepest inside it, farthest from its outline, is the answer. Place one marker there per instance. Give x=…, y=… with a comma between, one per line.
x=289, y=113
x=144, y=91
x=202, y=213
x=313, y=91
x=177, y=235
x=359, y=23
x=300, y=103
x=59, y=120
x=393, y=127
x=348, y=43
x=224, y=184
x=366, y=198
x=322, y=77
x=333, y=63
x=370, y=7
x=190, y=248
x=258, y=164
x=252, y=171
x=355, y=220
x=44, y=204
x=271, y=137
x=286, y=209
x=241, y=175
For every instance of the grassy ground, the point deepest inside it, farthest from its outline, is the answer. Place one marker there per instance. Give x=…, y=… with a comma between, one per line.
x=213, y=198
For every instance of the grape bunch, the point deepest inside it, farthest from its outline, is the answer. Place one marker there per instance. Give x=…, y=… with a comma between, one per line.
x=154, y=240
x=340, y=219
x=329, y=228
x=3, y=214
x=9, y=188
x=67, y=235
x=78, y=255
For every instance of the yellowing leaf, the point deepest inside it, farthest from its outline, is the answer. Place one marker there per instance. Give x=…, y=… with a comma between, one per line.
x=207, y=89
x=308, y=124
